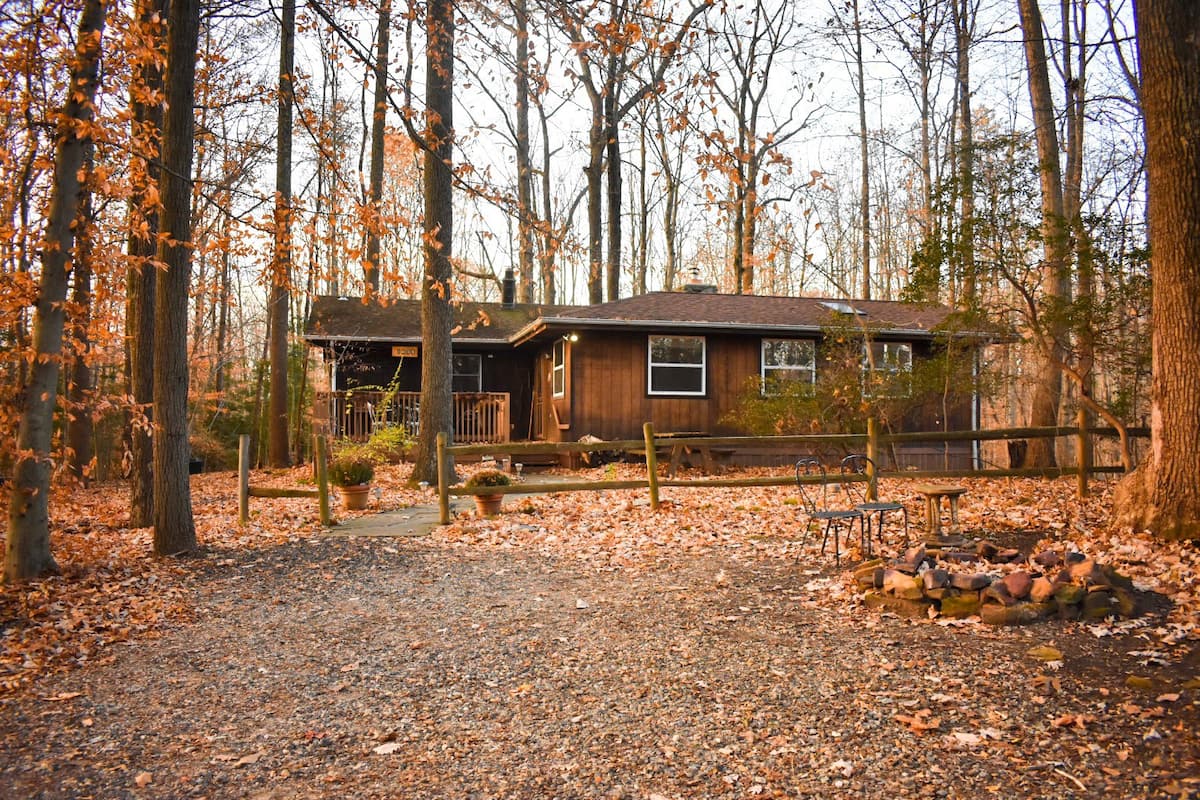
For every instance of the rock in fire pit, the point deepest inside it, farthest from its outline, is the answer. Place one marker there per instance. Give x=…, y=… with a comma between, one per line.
x=936, y=580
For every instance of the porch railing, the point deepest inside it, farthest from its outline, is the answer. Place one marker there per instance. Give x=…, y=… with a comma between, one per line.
x=479, y=417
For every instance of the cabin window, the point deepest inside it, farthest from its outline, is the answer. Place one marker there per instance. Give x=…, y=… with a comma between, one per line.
x=677, y=365
x=887, y=369
x=558, y=374
x=787, y=363
x=467, y=374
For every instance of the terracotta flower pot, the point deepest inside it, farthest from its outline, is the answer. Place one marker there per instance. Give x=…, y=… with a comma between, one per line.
x=488, y=505
x=355, y=498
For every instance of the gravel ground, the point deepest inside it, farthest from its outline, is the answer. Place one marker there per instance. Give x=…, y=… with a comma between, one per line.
x=365, y=668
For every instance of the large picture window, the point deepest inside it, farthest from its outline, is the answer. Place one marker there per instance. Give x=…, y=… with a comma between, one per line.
x=467, y=373
x=887, y=369
x=676, y=365
x=787, y=363
x=558, y=374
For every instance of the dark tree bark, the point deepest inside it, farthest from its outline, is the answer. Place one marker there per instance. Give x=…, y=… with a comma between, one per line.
x=436, y=318
x=174, y=527
x=146, y=127
x=1163, y=495
x=81, y=382
x=1046, y=321
x=281, y=268
x=378, y=130
x=27, y=552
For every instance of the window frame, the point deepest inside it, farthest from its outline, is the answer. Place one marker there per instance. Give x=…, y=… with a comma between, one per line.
x=558, y=368
x=455, y=374
x=883, y=366
x=651, y=364
x=811, y=369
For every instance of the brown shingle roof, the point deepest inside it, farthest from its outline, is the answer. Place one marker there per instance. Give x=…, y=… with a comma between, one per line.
x=758, y=312
x=350, y=319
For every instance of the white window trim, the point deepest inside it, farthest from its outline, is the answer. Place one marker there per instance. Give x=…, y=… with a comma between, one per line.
x=558, y=369
x=651, y=364
x=868, y=368
x=762, y=361
x=478, y=371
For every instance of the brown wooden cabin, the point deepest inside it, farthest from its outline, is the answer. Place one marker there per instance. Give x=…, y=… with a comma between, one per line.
x=557, y=373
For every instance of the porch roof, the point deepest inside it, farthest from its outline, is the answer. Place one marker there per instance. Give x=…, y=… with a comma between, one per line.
x=352, y=319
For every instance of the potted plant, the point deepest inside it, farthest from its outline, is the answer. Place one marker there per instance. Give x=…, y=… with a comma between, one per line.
x=351, y=470
x=488, y=504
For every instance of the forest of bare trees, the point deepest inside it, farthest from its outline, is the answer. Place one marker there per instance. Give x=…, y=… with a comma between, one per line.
x=986, y=154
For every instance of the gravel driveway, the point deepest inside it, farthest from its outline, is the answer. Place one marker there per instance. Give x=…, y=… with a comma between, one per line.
x=364, y=668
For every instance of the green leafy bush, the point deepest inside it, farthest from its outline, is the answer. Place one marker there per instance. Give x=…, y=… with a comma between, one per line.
x=352, y=466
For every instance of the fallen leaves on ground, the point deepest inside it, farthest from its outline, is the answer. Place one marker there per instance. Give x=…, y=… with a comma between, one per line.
x=111, y=589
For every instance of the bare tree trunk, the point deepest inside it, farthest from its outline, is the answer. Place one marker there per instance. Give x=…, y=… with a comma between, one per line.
x=378, y=129
x=594, y=171
x=865, y=187
x=436, y=318
x=549, y=239
x=81, y=383
x=1163, y=495
x=281, y=268
x=963, y=25
x=670, y=202
x=146, y=134
x=641, y=248
x=525, y=213
x=613, y=146
x=27, y=551
x=174, y=528
x=1074, y=66
x=142, y=276
x=1049, y=330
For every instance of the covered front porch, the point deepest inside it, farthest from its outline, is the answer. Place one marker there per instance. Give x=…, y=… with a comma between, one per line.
x=479, y=417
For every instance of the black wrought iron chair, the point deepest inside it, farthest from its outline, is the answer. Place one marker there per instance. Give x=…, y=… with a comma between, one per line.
x=859, y=464
x=807, y=469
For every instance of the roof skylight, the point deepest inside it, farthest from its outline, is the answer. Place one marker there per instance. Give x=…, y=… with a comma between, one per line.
x=840, y=307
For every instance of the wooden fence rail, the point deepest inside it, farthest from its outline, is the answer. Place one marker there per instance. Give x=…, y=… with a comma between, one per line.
x=246, y=491
x=873, y=440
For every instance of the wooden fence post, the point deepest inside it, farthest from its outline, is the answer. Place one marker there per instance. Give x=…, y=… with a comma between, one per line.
x=1083, y=446
x=243, y=479
x=651, y=464
x=873, y=454
x=443, y=481
x=319, y=448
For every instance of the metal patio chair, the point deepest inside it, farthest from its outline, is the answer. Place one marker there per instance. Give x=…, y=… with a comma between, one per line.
x=859, y=464
x=806, y=470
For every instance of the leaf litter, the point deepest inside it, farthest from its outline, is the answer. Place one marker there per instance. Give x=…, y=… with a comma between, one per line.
x=716, y=655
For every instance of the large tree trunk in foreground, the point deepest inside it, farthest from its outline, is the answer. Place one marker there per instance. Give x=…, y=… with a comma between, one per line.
x=174, y=527
x=27, y=554
x=145, y=130
x=1163, y=495
x=436, y=399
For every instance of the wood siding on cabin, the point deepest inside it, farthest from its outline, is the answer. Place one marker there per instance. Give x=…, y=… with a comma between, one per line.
x=610, y=398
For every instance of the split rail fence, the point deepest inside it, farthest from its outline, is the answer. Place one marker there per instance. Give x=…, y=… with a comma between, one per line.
x=246, y=491
x=872, y=442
